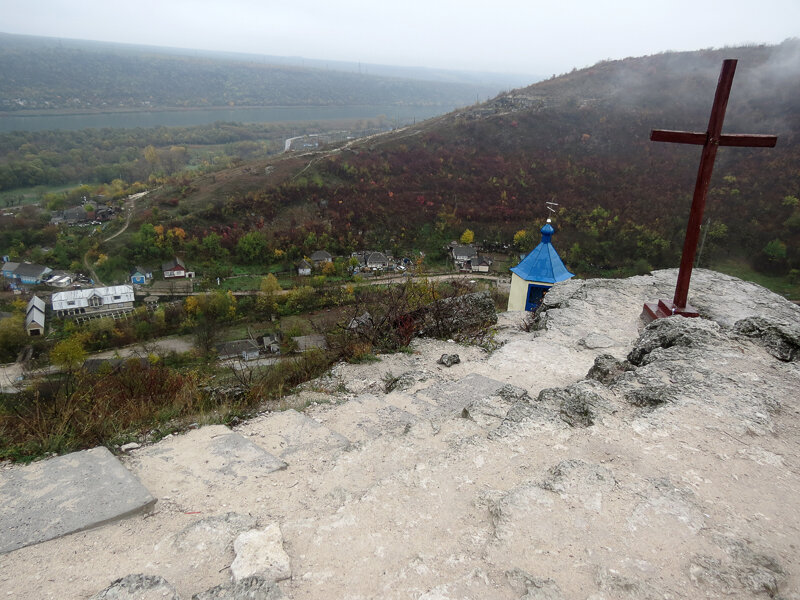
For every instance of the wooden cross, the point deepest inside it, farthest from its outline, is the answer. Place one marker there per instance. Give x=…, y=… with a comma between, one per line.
x=710, y=140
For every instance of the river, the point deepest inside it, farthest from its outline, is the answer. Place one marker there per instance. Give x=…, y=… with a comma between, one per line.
x=189, y=117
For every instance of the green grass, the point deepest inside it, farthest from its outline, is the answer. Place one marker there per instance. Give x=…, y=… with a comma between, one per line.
x=242, y=283
x=23, y=196
x=778, y=284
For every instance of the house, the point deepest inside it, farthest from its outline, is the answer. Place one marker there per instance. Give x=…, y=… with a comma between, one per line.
x=480, y=264
x=238, y=349
x=304, y=268
x=320, y=256
x=34, y=317
x=377, y=260
x=25, y=272
x=70, y=216
x=59, y=279
x=9, y=268
x=536, y=274
x=140, y=276
x=270, y=343
x=464, y=254
x=174, y=269
x=114, y=301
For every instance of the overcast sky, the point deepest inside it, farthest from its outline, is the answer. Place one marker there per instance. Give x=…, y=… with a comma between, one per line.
x=512, y=36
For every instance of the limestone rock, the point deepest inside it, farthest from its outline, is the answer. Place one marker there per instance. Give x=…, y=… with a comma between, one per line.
x=138, y=587
x=579, y=405
x=512, y=393
x=535, y=588
x=403, y=381
x=781, y=339
x=214, y=534
x=448, y=360
x=673, y=331
x=255, y=587
x=260, y=552
x=747, y=570
x=597, y=340
x=486, y=411
x=607, y=369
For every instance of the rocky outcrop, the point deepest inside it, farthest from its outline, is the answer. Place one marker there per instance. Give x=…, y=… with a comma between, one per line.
x=594, y=457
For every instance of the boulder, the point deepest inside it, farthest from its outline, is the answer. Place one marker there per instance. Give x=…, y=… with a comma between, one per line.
x=448, y=360
x=260, y=552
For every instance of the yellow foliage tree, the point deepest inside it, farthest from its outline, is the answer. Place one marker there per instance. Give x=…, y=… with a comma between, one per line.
x=467, y=237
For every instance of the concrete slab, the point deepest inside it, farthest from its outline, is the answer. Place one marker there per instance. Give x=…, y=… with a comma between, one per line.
x=62, y=495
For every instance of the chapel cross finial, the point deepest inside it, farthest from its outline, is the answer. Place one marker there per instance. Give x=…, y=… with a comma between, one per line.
x=710, y=140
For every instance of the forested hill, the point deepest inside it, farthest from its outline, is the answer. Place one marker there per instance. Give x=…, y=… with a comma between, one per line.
x=581, y=140
x=45, y=73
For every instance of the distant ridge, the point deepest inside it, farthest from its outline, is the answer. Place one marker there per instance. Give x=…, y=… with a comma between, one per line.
x=55, y=73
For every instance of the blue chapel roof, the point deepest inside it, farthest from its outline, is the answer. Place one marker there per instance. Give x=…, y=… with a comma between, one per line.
x=543, y=262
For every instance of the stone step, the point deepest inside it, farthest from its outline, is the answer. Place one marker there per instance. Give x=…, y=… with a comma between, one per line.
x=52, y=498
x=211, y=456
x=451, y=397
x=364, y=418
x=288, y=433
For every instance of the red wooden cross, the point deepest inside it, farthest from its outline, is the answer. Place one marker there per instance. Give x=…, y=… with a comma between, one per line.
x=710, y=140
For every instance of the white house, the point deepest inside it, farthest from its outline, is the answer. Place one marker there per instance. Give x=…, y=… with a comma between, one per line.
x=114, y=301
x=34, y=316
x=304, y=268
x=173, y=269
x=377, y=260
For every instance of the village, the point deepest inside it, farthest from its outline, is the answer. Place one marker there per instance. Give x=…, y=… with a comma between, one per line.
x=56, y=300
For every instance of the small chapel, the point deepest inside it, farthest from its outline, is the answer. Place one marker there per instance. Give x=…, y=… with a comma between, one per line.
x=536, y=274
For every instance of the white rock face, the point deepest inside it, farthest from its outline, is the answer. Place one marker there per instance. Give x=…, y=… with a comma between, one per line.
x=260, y=552
x=671, y=471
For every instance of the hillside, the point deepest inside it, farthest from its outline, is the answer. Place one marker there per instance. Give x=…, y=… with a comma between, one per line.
x=511, y=475
x=581, y=140
x=50, y=74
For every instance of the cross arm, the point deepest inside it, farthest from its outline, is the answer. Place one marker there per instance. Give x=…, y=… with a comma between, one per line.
x=700, y=139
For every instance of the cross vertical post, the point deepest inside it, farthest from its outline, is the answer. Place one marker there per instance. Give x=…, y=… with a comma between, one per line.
x=710, y=140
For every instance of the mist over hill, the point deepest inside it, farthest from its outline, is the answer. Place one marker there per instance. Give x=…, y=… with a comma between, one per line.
x=47, y=73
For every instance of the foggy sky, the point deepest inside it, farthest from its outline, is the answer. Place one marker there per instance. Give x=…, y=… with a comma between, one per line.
x=507, y=36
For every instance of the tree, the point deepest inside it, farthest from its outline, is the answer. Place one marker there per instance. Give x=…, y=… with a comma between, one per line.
x=209, y=312
x=467, y=237
x=12, y=337
x=252, y=247
x=68, y=354
x=212, y=244
x=523, y=240
x=266, y=301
